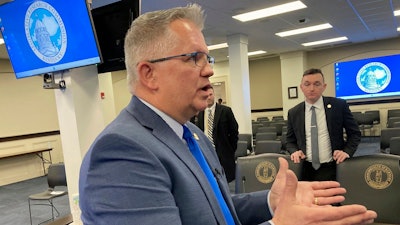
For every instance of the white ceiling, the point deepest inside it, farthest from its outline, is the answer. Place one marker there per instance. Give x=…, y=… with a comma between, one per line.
x=358, y=20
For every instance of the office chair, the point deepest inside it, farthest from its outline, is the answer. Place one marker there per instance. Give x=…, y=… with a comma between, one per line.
x=394, y=145
x=373, y=181
x=55, y=177
x=267, y=146
x=391, y=121
x=264, y=129
x=241, y=149
x=266, y=136
x=258, y=172
x=249, y=139
x=386, y=135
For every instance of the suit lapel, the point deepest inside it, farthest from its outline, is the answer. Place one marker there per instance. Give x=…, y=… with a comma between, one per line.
x=328, y=112
x=160, y=129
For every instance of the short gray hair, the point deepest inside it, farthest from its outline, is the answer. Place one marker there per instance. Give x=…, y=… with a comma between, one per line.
x=149, y=36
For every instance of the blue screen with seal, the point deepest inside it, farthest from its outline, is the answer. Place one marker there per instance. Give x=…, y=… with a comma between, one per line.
x=368, y=79
x=48, y=36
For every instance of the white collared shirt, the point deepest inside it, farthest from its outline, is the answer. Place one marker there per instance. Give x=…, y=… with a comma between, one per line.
x=324, y=143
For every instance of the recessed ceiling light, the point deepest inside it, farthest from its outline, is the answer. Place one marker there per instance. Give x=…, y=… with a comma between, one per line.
x=271, y=11
x=398, y=29
x=325, y=41
x=396, y=13
x=1, y=41
x=218, y=46
x=304, y=30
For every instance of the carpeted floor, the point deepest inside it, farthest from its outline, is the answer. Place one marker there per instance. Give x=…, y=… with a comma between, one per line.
x=14, y=208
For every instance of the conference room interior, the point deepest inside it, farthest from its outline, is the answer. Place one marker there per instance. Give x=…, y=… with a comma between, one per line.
x=31, y=118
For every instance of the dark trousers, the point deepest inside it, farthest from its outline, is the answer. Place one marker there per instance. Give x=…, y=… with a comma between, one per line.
x=327, y=171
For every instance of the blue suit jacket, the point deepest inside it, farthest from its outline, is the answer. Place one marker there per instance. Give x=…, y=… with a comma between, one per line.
x=138, y=171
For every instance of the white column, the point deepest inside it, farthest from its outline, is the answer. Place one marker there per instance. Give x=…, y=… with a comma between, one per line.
x=80, y=119
x=240, y=82
x=293, y=65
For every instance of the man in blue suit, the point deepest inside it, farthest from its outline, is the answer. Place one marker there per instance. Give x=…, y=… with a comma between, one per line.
x=140, y=170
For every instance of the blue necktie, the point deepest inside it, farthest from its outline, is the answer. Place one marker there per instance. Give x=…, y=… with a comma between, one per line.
x=195, y=150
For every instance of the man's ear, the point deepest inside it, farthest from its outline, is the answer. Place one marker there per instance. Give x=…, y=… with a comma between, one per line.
x=147, y=75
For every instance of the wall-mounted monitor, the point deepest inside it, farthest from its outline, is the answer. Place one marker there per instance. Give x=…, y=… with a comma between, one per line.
x=369, y=79
x=112, y=21
x=43, y=36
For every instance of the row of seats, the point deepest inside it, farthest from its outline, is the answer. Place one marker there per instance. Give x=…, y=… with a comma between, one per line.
x=371, y=180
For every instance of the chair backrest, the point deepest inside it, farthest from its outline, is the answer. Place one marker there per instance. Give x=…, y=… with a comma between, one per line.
x=394, y=145
x=267, y=146
x=254, y=128
x=266, y=136
x=393, y=113
x=373, y=181
x=279, y=125
x=248, y=138
x=396, y=124
x=266, y=129
x=392, y=120
x=241, y=149
x=56, y=175
x=258, y=172
x=375, y=114
x=386, y=134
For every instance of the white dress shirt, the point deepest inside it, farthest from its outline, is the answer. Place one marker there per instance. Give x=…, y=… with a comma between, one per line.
x=324, y=143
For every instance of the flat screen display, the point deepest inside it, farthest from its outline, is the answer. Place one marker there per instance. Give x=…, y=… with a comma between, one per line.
x=368, y=79
x=48, y=35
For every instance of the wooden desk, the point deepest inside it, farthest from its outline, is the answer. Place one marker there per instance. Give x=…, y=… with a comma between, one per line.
x=37, y=152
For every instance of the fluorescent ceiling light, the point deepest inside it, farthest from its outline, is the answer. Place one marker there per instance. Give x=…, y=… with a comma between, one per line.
x=1, y=41
x=304, y=30
x=396, y=13
x=218, y=46
x=325, y=41
x=271, y=11
x=259, y=52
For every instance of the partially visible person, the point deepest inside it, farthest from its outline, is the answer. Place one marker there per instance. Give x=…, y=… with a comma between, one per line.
x=220, y=101
x=141, y=170
x=219, y=124
x=332, y=117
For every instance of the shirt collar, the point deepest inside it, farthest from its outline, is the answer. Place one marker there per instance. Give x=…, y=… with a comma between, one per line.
x=319, y=104
x=175, y=125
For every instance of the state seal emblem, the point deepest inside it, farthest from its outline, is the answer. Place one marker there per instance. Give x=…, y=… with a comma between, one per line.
x=265, y=172
x=378, y=176
x=45, y=32
x=373, y=77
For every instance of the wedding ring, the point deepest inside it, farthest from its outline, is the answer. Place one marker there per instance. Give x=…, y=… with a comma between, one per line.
x=315, y=201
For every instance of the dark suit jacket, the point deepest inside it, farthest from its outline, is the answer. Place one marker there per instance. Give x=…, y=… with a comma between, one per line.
x=338, y=117
x=138, y=171
x=225, y=135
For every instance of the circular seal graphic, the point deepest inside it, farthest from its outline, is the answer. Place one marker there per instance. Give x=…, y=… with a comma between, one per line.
x=378, y=176
x=45, y=32
x=265, y=172
x=373, y=77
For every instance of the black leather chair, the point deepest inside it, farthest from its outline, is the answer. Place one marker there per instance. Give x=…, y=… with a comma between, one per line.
x=258, y=172
x=394, y=145
x=248, y=138
x=386, y=135
x=267, y=146
x=266, y=136
x=241, y=149
x=373, y=181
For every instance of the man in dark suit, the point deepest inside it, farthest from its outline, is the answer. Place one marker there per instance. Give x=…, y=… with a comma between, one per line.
x=223, y=133
x=332, y=115
x=152, y=166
